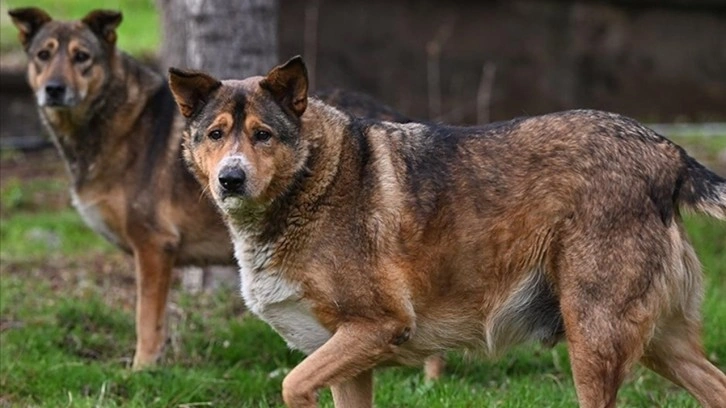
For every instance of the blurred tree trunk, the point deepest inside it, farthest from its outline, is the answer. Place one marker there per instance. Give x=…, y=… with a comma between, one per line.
x=227, y=38
x=230, y=39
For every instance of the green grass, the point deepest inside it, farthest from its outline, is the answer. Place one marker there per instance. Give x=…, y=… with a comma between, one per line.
x=28, y=231
x=712, y=144
x=76, y=350
x=138, y=34
x=34, y=236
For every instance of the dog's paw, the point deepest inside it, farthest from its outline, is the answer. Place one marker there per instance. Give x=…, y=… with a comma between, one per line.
x=298, y=397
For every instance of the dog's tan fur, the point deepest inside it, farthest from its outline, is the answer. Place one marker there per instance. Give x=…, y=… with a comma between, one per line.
x=115, y=125
x=366, y=243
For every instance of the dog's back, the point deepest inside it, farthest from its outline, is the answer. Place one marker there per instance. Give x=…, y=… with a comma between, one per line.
x=569, y=160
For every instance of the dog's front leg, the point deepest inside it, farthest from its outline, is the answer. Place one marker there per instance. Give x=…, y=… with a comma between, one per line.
x=153, y=277
x=345, y=363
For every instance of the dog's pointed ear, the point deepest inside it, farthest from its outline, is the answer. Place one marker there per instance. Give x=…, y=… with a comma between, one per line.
x=288, y=84
x=191, y=89
x=103, y=23
x=28, y=20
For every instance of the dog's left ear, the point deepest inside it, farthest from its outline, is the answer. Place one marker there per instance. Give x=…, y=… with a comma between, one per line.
x=28, y=20
x=103, y=23
x=288, y=84
x=191, y=89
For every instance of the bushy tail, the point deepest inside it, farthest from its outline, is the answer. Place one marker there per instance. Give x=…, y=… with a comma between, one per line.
x=702, y=190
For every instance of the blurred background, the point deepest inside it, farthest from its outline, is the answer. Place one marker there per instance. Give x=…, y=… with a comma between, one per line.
x=460, y=61
x=655, y=60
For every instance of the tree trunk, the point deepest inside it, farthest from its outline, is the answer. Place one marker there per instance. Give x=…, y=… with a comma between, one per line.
x=227, y=38
x=230, y=39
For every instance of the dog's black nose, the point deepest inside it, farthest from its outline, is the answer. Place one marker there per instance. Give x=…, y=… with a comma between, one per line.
x=55, y=90
x=232, y=179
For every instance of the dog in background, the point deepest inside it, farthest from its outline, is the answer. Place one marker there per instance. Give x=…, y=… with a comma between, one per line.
x=116, y=126
x=365, y=243
x=113, y=121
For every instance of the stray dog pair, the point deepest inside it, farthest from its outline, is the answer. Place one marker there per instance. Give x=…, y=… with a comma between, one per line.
x=115, y=123
x=365, y=243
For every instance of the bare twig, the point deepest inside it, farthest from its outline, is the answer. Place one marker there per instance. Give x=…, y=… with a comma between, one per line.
x=433, y=66
x=455, y=114
x=312, y=12
x=484, y=93
x=434, y=79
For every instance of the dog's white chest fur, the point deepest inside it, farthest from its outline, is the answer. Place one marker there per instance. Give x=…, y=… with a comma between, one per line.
x=276, y=300
x=92, y=217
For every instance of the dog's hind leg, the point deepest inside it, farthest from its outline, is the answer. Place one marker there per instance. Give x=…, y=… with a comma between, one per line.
x=609, y=304
x=676, y=353
x=153, y=276
x=602, y=352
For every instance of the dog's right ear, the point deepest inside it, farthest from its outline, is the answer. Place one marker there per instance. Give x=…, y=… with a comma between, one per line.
x=288, y=84
x=28, y=20
x=104, y=23
x=191, y=89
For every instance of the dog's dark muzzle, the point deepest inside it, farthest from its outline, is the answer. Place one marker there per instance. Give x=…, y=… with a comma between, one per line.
x=55, y=93
x=232, y=181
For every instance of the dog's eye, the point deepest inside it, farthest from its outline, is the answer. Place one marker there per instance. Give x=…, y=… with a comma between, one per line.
x=262, y=135
x=216, y=134
x=43, y=55
x=81, y=56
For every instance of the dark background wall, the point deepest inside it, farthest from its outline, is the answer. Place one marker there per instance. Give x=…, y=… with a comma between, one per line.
x=654, y=60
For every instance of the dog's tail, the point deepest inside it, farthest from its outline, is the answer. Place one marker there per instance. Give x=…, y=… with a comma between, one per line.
x=702, y=190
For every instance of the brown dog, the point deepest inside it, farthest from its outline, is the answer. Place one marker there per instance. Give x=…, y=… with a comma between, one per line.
x=366, y=243
x=114, y=122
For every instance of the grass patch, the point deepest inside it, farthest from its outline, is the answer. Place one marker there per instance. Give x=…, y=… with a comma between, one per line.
x=36, y=222
x=59, y=351
x=28, y=236
x=17, y=195
x=138, y=34
x=708, y=149
x=702, y=143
